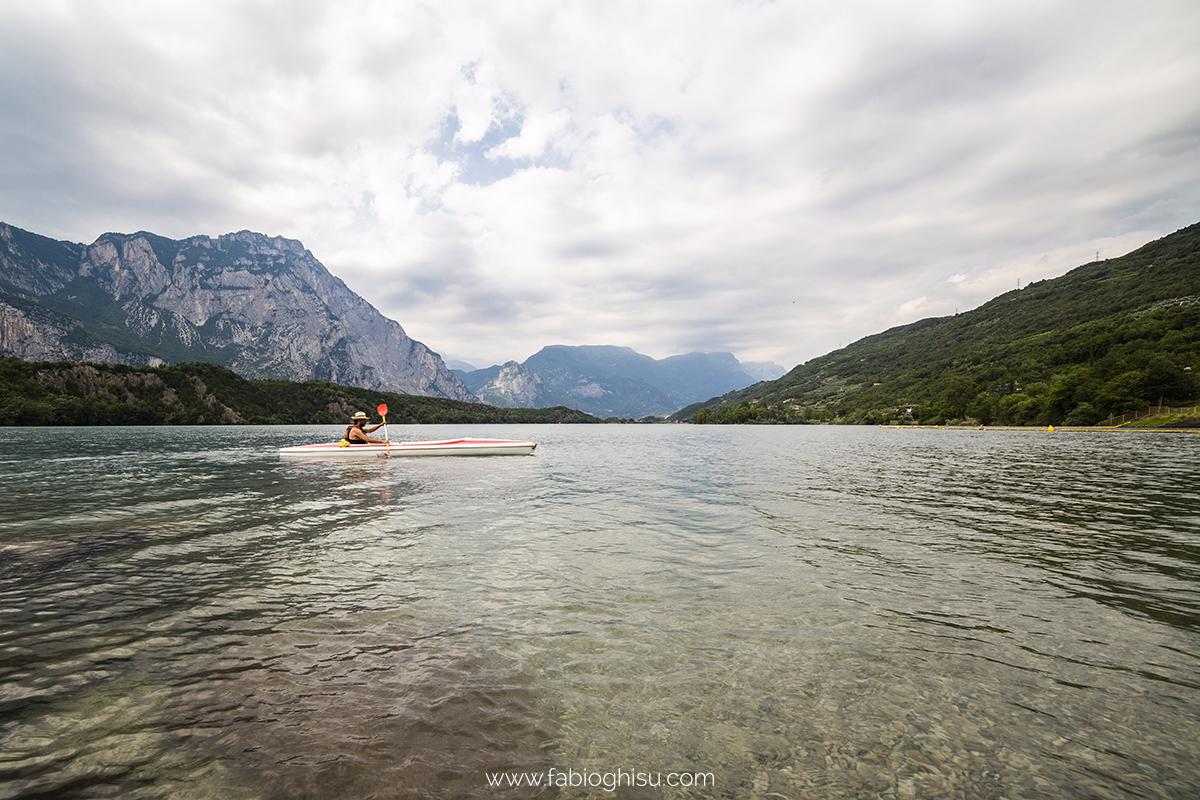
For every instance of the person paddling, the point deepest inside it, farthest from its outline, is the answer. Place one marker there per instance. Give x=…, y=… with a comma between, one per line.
x=357, y=432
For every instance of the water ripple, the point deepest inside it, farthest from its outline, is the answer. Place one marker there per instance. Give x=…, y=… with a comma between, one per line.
x=801, y=611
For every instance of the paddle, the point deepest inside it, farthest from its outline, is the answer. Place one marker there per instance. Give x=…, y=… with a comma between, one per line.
x=382, y=409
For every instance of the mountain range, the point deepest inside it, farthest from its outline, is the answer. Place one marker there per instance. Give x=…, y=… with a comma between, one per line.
x=261, y=306
x=608, y=381
x=266, y=308
x=1103, y=339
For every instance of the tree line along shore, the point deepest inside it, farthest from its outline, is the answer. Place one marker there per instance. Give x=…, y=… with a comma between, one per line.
x=66, y=393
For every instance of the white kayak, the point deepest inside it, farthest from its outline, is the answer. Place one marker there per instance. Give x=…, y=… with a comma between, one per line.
x=449, y=447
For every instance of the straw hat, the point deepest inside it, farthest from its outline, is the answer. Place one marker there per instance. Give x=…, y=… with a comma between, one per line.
x=359, y=415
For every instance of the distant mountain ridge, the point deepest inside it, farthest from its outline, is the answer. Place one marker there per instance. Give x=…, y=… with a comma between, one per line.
x=608, y=381
x=261, y=306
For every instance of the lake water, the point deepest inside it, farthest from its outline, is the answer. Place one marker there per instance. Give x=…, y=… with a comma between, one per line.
x=739, y=612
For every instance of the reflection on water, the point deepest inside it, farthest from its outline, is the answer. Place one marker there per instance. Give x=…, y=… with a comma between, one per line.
x=801, y=612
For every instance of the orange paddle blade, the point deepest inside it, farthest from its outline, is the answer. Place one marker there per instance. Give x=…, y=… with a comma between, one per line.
x=382, y=409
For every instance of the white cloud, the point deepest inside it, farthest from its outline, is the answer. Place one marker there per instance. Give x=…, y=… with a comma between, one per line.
x=766, y=178
x=537, y=132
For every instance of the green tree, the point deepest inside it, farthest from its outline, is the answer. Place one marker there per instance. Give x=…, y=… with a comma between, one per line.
x=1124, y=393
x=1167, y=381
x=984, y=408
x=958, y=395
x=1083, y=414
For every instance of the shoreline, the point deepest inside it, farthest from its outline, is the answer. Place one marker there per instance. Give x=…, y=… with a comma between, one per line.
x=1048, y=428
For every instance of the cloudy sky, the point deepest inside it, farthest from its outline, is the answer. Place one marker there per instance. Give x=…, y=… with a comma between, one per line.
x=773, y=179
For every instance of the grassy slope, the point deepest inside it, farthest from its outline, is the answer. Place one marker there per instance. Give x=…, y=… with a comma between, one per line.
x=1062, y=342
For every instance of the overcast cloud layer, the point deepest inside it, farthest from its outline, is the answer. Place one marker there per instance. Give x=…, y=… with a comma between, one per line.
x=771, y=179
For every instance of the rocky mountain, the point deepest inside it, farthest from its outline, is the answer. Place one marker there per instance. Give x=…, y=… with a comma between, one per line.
x=762, y=370
x=261, y=306
x=610, y=381
x=509, y=385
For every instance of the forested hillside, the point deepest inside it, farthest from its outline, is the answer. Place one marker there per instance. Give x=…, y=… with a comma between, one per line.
x=1106, y=338
x=64, y=393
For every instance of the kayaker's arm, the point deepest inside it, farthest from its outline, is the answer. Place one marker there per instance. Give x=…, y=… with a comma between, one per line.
x=356, y=434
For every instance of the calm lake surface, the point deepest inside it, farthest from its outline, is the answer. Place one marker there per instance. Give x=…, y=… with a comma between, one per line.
x=797, y=612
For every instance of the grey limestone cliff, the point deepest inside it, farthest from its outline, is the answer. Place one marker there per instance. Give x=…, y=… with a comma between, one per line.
x=510, y=385
x=261, y=306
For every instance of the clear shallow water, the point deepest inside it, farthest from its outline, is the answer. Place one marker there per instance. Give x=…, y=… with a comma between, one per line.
x=799, y=612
